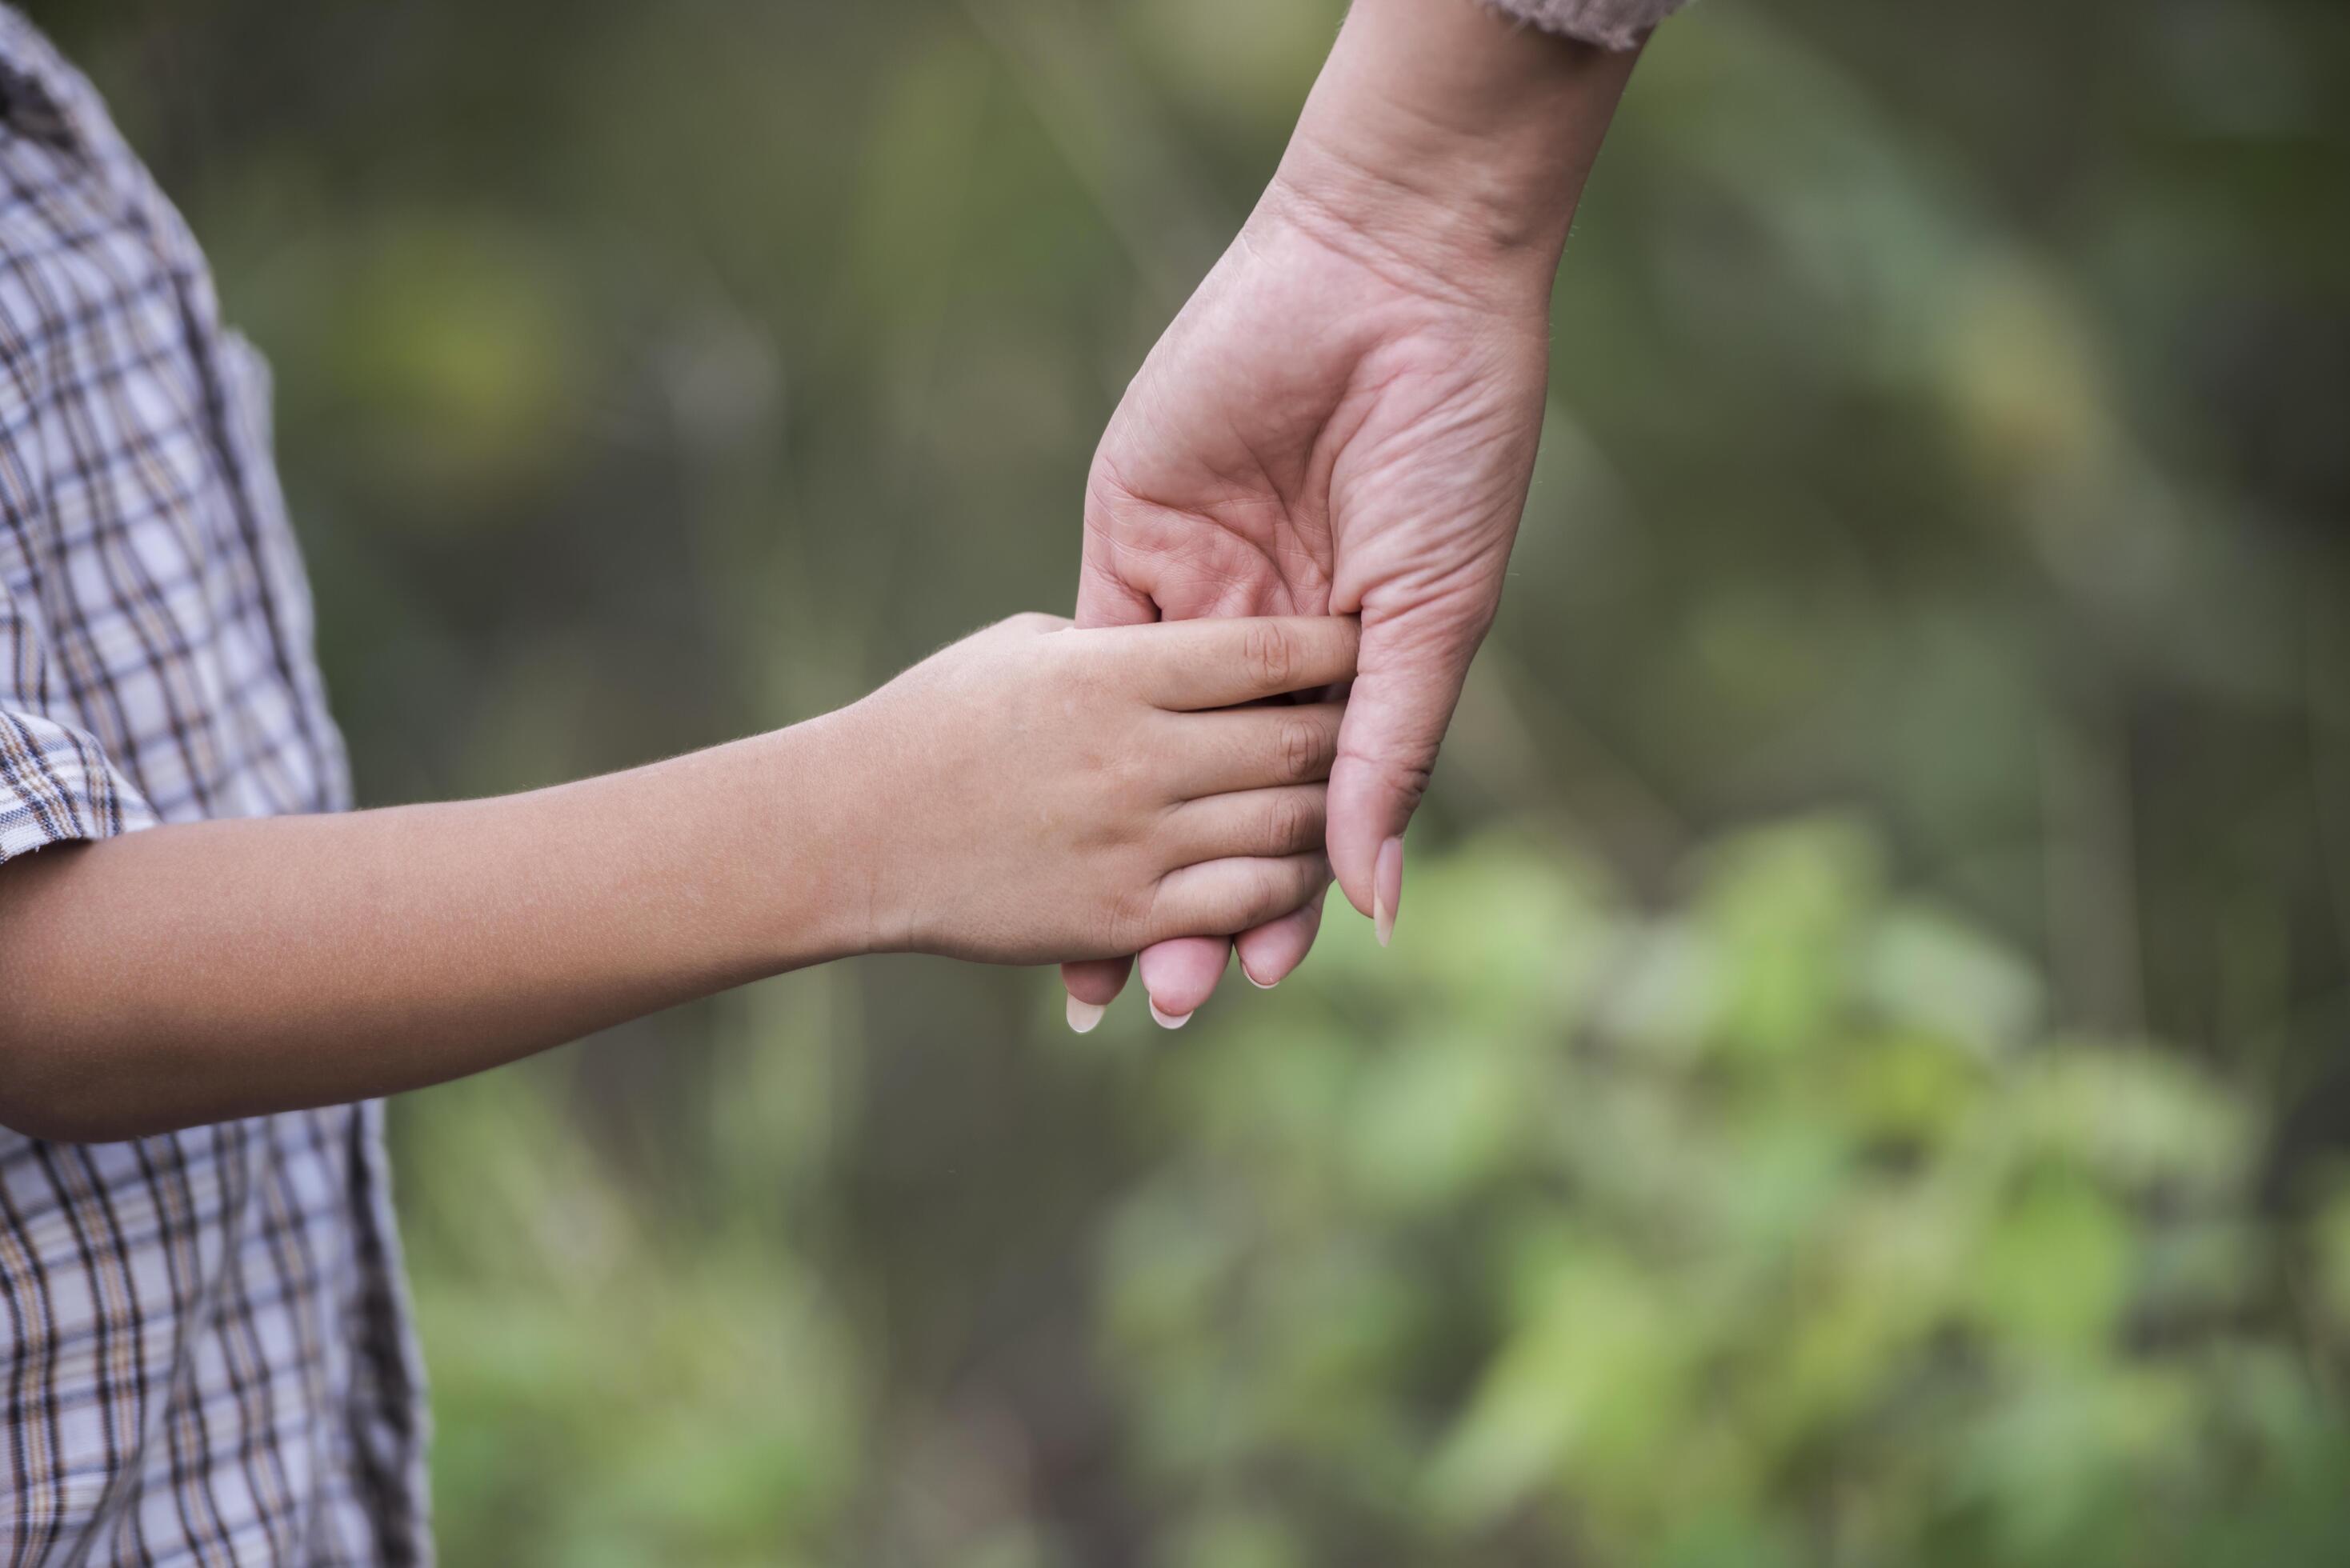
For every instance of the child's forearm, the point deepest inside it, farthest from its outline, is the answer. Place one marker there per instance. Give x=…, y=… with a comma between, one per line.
x=200, y=972
x=1028, y=794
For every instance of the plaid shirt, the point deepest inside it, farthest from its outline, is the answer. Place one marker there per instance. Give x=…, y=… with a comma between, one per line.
x=208, y=1358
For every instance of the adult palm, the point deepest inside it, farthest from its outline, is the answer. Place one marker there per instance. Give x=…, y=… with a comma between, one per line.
x=1329, y=426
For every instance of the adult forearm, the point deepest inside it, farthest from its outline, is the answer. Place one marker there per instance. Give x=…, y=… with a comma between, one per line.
x=209, y=971
x=1451, y=138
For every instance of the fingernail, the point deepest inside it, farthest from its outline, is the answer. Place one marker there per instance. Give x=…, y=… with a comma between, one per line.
x=1387, y=889
x=1260, y=984
x=1084, y=1015
x=1165, y=1021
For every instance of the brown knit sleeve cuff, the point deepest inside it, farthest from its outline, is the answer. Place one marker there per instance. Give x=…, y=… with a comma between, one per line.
x=1610, y=24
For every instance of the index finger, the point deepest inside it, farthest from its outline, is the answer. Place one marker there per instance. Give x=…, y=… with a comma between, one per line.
x=1196, y=664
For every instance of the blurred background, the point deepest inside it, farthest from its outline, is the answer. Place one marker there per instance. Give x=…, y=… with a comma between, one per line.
x=1860, y=1075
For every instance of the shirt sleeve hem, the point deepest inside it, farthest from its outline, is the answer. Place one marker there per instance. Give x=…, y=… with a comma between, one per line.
x=57, y=786
x=1609, y=24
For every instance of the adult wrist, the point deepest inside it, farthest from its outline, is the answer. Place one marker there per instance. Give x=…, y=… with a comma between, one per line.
x=1450, y=139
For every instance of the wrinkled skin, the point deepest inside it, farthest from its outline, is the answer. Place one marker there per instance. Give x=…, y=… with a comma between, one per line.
x=1326, y=428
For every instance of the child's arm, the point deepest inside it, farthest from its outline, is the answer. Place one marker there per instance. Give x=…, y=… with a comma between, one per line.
x=1030, y=793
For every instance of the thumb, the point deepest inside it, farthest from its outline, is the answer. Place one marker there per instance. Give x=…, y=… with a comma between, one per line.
x=1402, y=700
x=1105, y=598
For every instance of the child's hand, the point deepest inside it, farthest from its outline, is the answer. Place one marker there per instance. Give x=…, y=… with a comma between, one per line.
x=1040, y=793
x=1030, y=793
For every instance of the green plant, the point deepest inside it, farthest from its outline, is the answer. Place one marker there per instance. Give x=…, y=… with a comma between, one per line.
x=1773, y=1229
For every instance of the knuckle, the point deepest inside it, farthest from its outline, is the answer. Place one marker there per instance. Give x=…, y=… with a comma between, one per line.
x=1412, y=782
x=1287, y=823
x=1110, y=774
x=1264, y=895
x=1409, y=775
x=1301, y=748
x=1272, y=657
x=1151, y=764
x=1134, y=785
x=1130, y=917
x=1115, y=769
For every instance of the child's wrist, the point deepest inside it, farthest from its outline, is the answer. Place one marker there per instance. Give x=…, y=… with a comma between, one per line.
x=849, y=834
x=808, y=831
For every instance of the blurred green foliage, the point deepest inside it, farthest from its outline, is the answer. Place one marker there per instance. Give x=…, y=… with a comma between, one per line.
x=1946, y=429
x=1768, y=1230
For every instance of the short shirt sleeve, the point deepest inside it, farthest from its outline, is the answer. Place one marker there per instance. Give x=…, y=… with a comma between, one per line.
x=1610, y=24
x=56, y=782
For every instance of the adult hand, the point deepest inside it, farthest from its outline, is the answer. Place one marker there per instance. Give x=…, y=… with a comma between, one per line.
x=1344, y=418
